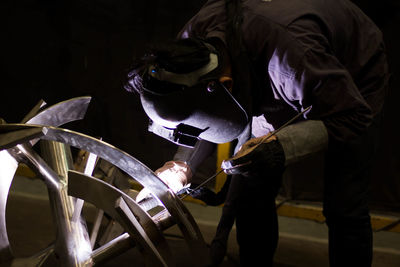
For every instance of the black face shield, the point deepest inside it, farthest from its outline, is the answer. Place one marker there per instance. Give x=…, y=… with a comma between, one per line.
x=184, y=108
x=206, y=111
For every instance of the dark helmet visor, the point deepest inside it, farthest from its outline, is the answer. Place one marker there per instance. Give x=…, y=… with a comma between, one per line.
x=205, y=111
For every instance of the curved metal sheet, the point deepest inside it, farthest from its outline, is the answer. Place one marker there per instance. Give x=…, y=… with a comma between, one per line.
x=56, y=115
x=137, y=171
x=105, y=196
x=10, y=137
x=63, y=112
x=143, y=175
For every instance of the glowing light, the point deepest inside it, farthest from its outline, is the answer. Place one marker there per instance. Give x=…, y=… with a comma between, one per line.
x=174, y=174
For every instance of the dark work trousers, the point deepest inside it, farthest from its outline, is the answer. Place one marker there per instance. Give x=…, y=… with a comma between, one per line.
x=257, y=221
x=251, y=202
x=346, y=194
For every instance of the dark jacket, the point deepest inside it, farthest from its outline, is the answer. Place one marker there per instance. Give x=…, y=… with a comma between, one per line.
x=322, y=53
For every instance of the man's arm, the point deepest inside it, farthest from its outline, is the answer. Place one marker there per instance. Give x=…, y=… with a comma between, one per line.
x=302, y=139
x=193, y=157
x=303, y=76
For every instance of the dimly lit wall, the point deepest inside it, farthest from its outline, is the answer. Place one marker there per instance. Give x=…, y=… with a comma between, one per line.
x=57, y=49
x=386, y=175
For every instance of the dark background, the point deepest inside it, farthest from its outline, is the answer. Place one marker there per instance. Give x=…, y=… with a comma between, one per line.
x=58, y=49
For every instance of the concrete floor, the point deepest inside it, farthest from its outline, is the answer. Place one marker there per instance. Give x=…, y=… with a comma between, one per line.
x=302, y=242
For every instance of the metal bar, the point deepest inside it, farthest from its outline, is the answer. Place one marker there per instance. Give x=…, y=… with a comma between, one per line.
x=89, y=168
x=77, y=210
x=71, y=244
x=112, y=249
x=10, y=137
x=56, y=115
x=96, y=227
x=100, y=213
x=143, y=175
x=58, y=157
x=104, y=196
x=137, y=232
x=34, y=111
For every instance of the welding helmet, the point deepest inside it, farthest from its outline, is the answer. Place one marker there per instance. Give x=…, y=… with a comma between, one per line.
x=186, y=107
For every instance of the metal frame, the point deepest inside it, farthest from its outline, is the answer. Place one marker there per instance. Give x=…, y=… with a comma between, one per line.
x=68, y=189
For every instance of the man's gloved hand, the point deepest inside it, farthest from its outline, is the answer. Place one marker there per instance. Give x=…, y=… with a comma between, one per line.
x=258, y=155
x=176, y=174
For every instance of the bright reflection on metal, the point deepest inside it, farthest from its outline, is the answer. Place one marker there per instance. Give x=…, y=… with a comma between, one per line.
x=105, y=197
x=83, y=249
x=72, y=244
x=120, y=243
x=70, y=236
x=90, y=165
x=50, y=179
x=8, y=166
x=91, y=162
x=59, y=157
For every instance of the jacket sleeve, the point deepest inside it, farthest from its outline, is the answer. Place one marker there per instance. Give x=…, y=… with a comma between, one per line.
x=300, y=140
x=195, y=156
x=310, y=75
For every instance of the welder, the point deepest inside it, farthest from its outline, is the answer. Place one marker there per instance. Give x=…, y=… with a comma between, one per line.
x=239, y=70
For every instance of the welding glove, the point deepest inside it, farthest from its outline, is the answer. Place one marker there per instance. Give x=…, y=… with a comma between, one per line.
x=258, y=155
x=176, y=174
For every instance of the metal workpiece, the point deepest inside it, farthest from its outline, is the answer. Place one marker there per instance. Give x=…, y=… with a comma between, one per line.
x=58, y=156
x=72, y=246
x=113, y=248
x=141, y=174
x=56, y=115
x=106, y=196
x=34, y=111
x=8, y=166
x=136, y=170
x=10, y=137
x=135, y=224
x=61, y=113
x=137, y=232
x=68, y=246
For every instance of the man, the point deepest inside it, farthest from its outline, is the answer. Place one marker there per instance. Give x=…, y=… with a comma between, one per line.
x=241, y=69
